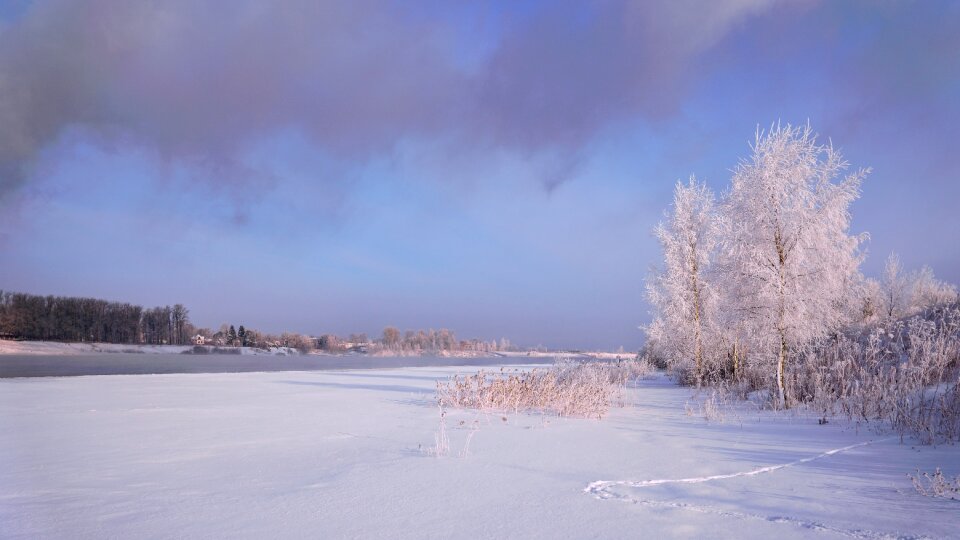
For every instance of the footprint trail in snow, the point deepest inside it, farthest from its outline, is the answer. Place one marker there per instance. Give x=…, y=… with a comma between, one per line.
x=602, y=490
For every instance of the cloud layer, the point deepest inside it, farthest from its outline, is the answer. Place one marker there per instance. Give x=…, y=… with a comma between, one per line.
x=199, y=82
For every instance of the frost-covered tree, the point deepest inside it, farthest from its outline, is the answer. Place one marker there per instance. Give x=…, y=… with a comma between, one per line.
x=895, y=285
x=787, y=256
x=681, y=293
x=871, y=301
x=928, y=291
x=906, y=294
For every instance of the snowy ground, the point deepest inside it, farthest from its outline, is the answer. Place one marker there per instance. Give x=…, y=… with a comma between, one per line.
x=341, y=454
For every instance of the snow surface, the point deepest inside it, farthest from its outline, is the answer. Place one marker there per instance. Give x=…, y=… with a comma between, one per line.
x=343, y=455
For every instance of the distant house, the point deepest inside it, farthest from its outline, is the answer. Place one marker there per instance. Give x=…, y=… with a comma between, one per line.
x=356, y=346
x=199, y=340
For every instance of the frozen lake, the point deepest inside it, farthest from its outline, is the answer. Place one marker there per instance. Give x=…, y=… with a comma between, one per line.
x=342, y=454
x=140, y=364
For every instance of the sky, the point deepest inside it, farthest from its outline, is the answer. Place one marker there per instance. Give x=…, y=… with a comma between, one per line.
x=491, y=168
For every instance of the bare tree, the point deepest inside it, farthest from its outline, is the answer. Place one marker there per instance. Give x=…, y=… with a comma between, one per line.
x=181, y=318
x=391, y=337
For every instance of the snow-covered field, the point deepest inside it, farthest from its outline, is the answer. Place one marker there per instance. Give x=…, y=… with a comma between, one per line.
x=344, y=455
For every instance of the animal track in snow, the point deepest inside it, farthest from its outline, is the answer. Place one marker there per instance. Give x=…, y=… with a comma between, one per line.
x=602, y=490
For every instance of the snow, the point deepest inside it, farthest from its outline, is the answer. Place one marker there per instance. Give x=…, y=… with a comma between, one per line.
x=344, y=454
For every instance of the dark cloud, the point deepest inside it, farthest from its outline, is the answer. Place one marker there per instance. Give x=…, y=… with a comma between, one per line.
x=199, y=82
x=560, y=75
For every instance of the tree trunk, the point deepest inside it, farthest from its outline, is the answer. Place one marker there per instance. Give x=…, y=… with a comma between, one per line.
x=698, y=344
x=736, y=360
x=781, y=361
x=781, y=315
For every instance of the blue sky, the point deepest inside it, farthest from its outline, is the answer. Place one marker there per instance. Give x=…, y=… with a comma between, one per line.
x=497, y=170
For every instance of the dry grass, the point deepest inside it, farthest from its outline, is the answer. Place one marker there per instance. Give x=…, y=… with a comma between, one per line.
x=936, y=485
x=713, y=408
x=906, y=377
x=441, y=442
x=586, y=389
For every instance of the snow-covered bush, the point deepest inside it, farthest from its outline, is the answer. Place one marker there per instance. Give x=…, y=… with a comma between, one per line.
x=906, y=294
x=904, y=376
x=710, y=408
x=623, y=372
x=936, y=484
x=926, y=291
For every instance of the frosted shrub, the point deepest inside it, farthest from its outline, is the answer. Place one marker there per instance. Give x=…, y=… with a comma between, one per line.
x=713, y=408
x=624, y=372
x=565, y=389
x=710, y=409
x=905, y=376
x=936, y=485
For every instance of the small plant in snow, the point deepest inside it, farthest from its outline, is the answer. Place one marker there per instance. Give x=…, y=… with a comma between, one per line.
x=466, y=445
x=936, y=484
x=712, y=408
x=441, y=445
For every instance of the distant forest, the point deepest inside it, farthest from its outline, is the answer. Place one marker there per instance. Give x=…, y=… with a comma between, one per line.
x=62, y=318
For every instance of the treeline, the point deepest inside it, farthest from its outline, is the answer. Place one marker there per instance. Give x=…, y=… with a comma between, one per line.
x=63, y=318
x=431, y=340
x=410, y=342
